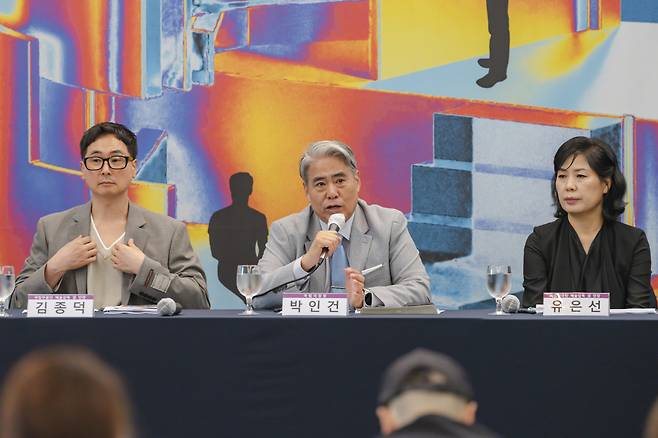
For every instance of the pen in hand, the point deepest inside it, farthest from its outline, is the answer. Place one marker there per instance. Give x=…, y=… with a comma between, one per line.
x=364, y=273
x=369, y=270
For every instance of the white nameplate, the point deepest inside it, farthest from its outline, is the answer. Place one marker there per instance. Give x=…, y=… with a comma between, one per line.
x=576, y=304
x=295, y=304
x=60, y=306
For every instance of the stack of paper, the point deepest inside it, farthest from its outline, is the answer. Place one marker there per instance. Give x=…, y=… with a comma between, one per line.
x=131, y=310
x=633, y=310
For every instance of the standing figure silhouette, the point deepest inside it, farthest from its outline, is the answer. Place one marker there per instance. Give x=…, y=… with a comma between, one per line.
x=238, y=233
x=498, y=21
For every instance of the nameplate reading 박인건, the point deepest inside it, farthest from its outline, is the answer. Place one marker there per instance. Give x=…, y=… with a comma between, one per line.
x=320, y=304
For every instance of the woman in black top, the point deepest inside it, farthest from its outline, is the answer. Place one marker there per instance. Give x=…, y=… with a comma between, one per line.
x=587, y=249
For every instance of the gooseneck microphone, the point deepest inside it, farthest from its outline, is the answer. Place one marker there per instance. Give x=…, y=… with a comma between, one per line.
x=336, y=222
x=511, y=304
x=168, y=307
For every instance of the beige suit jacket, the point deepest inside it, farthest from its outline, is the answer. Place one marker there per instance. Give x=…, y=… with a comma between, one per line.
x=170, y=265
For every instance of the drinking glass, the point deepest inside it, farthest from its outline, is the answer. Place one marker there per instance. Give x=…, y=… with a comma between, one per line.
x=499, y=283
x=7, y=282
x=249, y=280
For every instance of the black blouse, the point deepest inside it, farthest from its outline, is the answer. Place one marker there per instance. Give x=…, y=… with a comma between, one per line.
x=618, y=262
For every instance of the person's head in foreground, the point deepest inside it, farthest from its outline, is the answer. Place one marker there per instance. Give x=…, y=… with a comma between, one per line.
x=426, y=390
x=64, y=392
x=587, y=180
x=651, y=428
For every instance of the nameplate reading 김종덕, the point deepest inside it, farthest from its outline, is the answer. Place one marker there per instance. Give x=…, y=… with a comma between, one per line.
x=60, y=306
x=320, y=304
x=576, y=304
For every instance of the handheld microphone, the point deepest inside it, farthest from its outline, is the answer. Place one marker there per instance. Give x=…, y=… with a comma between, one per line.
x=168, y=307
x=511, y=304
x=336, y=222
x=530, y=310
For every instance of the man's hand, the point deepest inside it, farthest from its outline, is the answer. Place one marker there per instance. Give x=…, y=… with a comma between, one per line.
x=354, y=285
x=127, y=258
x=77, y=253
x=324, y=239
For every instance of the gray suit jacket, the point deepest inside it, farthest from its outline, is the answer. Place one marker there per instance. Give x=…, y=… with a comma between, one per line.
x=170, y=264
x=379, y=235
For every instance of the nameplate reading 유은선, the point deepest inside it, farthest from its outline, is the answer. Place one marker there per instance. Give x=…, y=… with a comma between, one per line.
x=320, y=304
x=576, y=304
x=60, y=306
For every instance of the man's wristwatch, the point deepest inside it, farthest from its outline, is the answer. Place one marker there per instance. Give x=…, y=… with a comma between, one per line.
x=367, y=297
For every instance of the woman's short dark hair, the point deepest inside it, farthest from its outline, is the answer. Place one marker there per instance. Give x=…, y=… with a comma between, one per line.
x=116, y=130
x=603, y=161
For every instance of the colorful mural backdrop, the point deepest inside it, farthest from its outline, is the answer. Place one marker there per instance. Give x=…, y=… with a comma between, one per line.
x=215, y=88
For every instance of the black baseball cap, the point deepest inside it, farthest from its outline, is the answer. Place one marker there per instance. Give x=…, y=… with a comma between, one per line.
x=423, y=369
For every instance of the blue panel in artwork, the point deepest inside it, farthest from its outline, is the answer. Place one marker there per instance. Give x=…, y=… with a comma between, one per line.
x=453, y=137
x=611, y=135
x=436, y=242
x=8, y=7
x=439, y=191
x=56, y=149
x=594, y=11
x=175, y=52
x=289, y=25
x=645, y=11
x=152, y=53
x=581, y=15
x=152, y=156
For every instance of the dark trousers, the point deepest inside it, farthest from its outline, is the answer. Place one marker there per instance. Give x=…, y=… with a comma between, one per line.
x=498, y=21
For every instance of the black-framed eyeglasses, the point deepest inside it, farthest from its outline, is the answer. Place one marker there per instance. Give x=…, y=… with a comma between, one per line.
x=115, y=162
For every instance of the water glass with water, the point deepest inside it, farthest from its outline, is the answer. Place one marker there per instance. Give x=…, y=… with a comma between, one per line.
x=249, y=281
x=499, y=283
x=7, y=282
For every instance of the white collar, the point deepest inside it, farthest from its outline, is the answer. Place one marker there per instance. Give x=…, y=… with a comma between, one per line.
x=100, y=239
x=345, y=231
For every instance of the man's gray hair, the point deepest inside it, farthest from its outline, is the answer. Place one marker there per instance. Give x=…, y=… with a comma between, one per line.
x=326, y=148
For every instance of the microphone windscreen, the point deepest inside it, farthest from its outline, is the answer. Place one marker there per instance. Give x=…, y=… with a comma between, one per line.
x=336, y=219
x=166, y=307
x=510, y=304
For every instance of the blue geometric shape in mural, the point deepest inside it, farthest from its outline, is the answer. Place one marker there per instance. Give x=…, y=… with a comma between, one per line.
x=453, y=138
x=442, y=196
x=152, y=160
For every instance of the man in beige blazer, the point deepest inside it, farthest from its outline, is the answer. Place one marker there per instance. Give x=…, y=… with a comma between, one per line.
x=110, y=247
x=372, y=235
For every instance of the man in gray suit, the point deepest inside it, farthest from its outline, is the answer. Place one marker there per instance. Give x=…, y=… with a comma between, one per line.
x=372, y=235
x=110, y=247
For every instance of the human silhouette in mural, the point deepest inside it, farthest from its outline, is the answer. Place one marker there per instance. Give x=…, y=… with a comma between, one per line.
x=238, y=233
x=498, y=21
